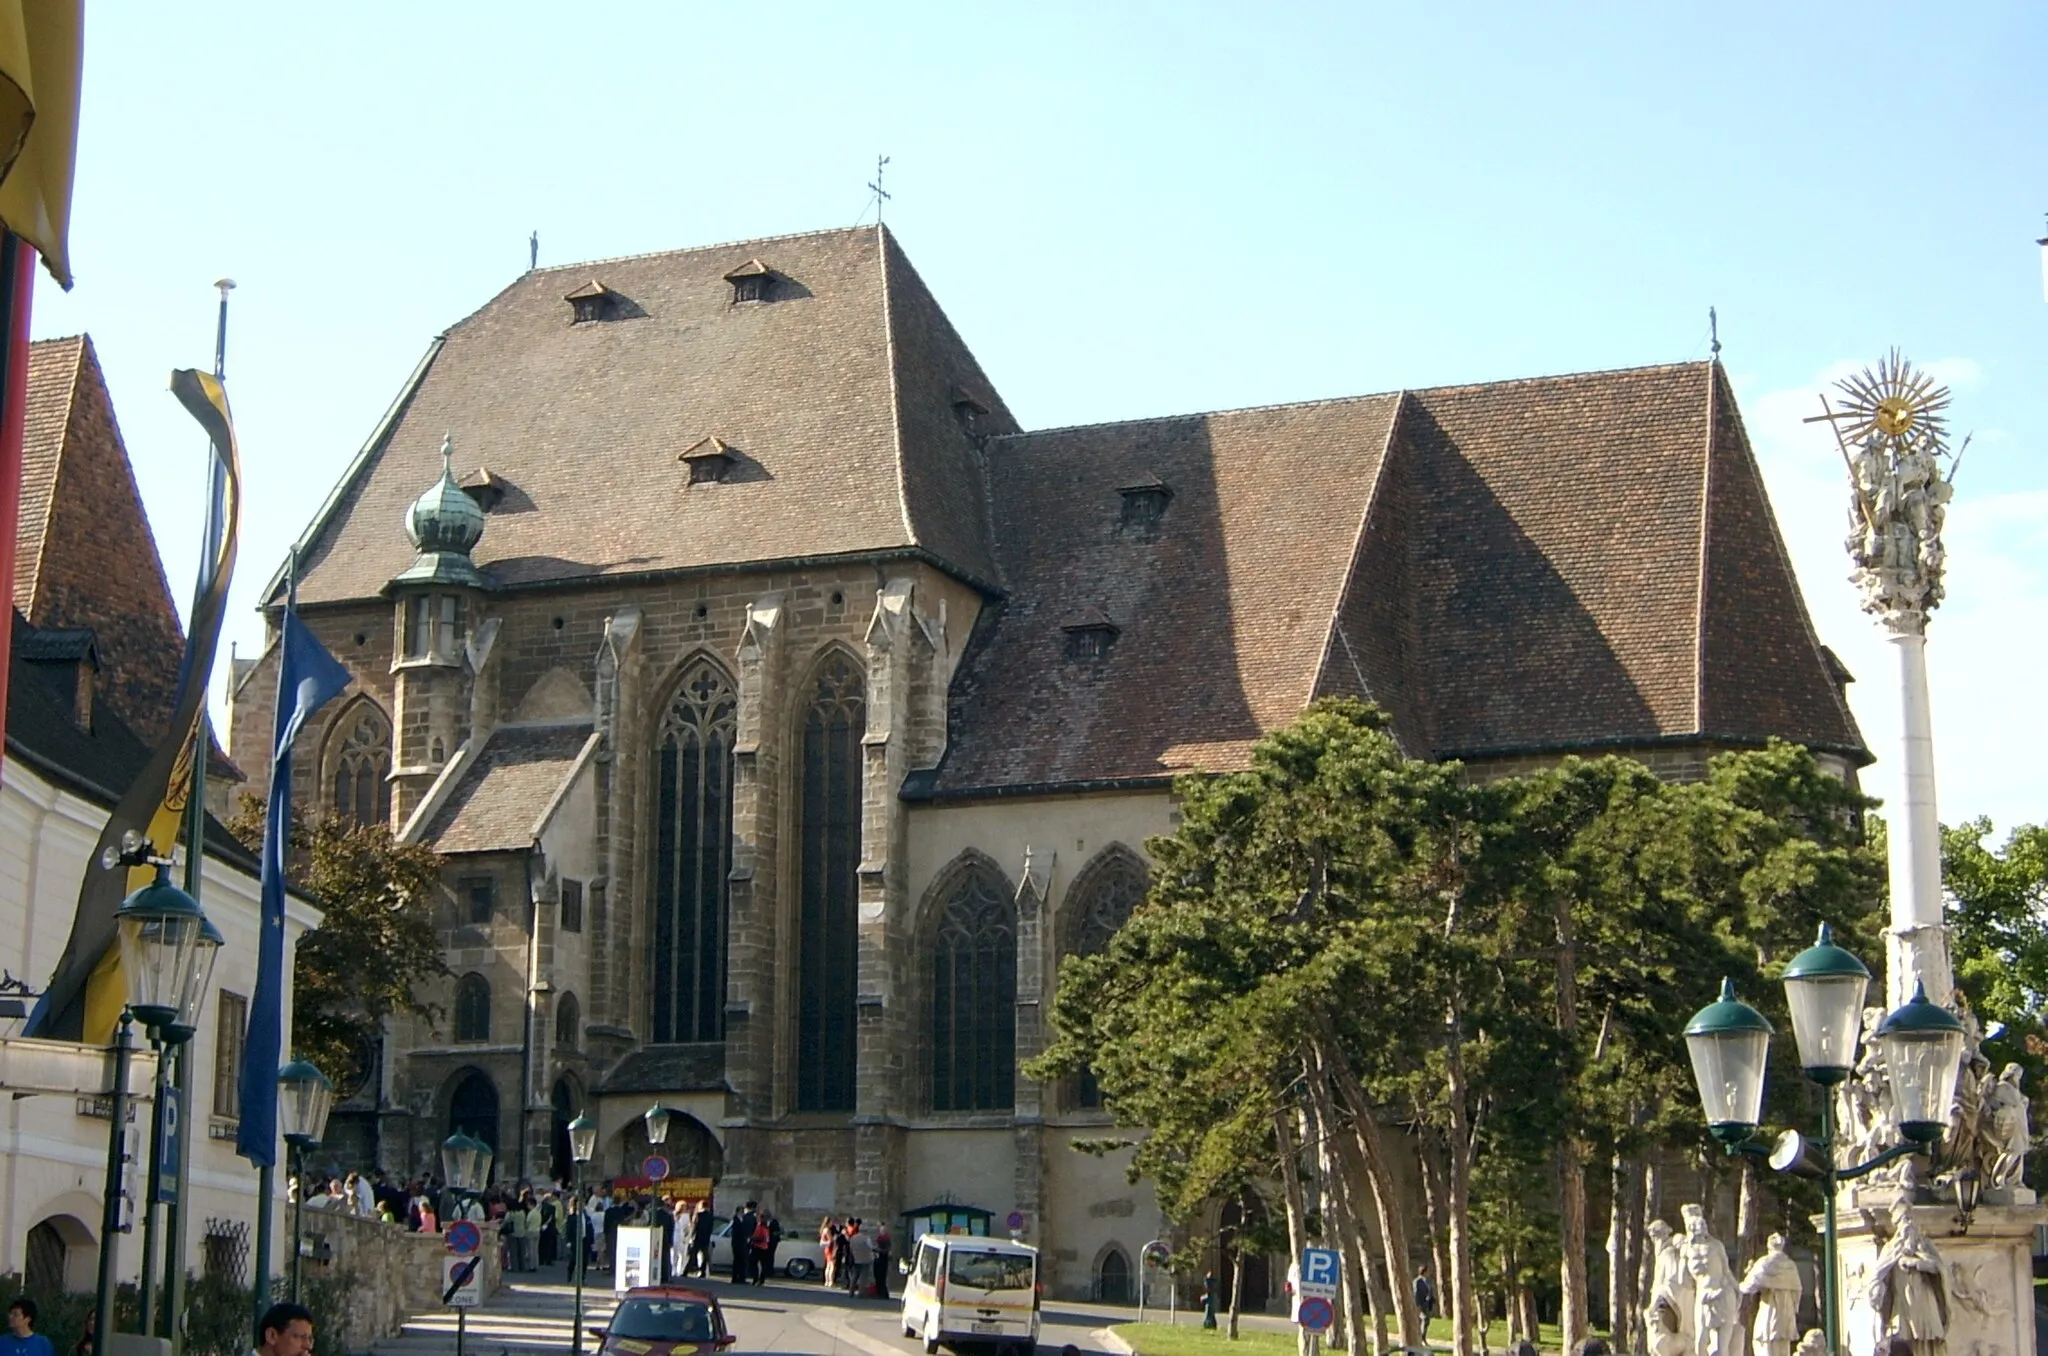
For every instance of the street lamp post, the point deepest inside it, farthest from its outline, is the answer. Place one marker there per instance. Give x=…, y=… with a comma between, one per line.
x=304, y=1097
x=1729, y=1043
x=466, y=1163
x=167, y=1118
x=166, y=959
x=582, y=1147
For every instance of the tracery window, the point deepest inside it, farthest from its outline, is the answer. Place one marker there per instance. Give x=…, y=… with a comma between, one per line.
x=1098, y=905
x=472, y=1008
x=359, y=762
x=827, y=896
x=568, y=1021
x=973, y=961
x=693, y=856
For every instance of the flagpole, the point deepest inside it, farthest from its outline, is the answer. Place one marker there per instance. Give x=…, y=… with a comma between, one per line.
x=195, y=856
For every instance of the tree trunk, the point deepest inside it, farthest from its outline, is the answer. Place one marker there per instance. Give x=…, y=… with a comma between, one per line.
x=1458, y=1189
x=1646, y=1260
x=1429, y=1161
x=1620, y=1260
x=1571, y=1154
x=1341, y=1214
x=1297, y=1201
x=1387, y=1202
x=1236, y=1278
x=1750, y=1206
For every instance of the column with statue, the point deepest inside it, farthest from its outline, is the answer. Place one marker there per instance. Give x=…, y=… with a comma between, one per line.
x=1936, y=1259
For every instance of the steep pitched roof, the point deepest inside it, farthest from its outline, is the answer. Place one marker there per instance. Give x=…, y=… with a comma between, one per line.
x=86, y=556
x=497, y=803
x=1525, y=566
x=1221, y=613
x=837, y=390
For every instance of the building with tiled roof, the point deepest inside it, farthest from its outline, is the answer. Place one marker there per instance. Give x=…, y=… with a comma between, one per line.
x=795, y=711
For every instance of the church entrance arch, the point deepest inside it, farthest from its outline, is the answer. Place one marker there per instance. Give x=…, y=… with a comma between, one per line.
x=689, y=1147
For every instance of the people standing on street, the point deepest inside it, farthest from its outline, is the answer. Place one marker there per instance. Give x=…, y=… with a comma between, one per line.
x=767, y=1237
x=664, y=1221
x=860, y=1253
x=700, y=1241
x=743, y=1225
x=1425, y=1296
x=286, y=1330
x=884, y=1249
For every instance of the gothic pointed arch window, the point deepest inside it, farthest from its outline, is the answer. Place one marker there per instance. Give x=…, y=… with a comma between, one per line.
x=973, y=987
x=568, y=1022
x=359, y=764
x=1097, y=905
x=828, y=819
x=473, y=1008
x=693, y=856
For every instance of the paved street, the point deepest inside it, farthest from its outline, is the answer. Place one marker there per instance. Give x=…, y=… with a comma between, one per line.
x=531, y=1315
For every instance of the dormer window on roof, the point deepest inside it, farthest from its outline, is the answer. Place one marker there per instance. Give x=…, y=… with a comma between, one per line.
x=1143, y=508
x=710, y=460
x=969, y=410
x=751, y=281
x=592, y=302
x=1089, y=634
x=486, y=487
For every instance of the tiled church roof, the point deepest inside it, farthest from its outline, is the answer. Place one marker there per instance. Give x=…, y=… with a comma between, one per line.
x=497, y=800
x=836, y=394
x=1528, y=578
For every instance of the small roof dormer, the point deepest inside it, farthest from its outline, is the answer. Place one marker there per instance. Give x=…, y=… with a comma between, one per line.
x=591, y=303
x=752, y=281
x=710, y=460
x=1144, y=506
x=1089, y=634
x=486, y=487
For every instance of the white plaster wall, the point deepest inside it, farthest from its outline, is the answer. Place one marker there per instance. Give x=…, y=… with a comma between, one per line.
x=1092, y=1206
x=53, y=1160
x=969, y=1167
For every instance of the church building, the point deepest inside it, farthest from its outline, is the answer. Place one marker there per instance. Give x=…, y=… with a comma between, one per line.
x=786, y=712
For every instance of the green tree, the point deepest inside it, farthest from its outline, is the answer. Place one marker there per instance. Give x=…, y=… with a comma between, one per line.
x=376, y=945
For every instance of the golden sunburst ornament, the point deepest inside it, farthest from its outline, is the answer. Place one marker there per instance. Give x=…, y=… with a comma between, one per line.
x=1894, y=401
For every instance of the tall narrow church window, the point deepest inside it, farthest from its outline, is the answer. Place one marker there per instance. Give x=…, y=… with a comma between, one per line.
x=568, y=1021
x=360, y=762
x=1098, y=905
x=472, y=1008
x=692, y=857
x=974, y=997
x=829, y=833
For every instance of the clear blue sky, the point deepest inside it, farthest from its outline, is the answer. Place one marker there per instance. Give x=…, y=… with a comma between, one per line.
x=1129, y=210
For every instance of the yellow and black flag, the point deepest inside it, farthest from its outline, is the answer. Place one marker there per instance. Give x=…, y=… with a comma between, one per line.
x=84, y=997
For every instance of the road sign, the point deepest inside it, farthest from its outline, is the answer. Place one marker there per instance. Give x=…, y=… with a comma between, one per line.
x=1316, y=1314
x=1016, y=1221
x=1156, y=1254
x=462, y=1282
x=655, y=1166
x=463, y=1238
x=172, y=1124
x=1320, y=1269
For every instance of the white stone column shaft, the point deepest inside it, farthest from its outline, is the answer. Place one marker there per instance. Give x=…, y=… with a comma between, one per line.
x=1917, y=943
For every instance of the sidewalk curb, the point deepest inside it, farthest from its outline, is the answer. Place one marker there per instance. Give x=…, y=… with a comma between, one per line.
x=835, y=1324
x=1111, y=1342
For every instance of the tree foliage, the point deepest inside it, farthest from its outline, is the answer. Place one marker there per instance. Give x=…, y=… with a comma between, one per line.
x=376, y=945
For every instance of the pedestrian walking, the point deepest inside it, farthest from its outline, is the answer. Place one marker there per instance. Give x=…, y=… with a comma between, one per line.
x=285, y=1330
x=860, y=1252
x=743, y=1225
x=1425, y=1296
x=884, y=1250
x=700, y=1241
x=21, y=1338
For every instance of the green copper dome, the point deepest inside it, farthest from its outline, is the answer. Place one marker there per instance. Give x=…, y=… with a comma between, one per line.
x=445, y=524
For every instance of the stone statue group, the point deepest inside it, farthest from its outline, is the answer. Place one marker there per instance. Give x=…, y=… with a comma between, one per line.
x=1696, y=1302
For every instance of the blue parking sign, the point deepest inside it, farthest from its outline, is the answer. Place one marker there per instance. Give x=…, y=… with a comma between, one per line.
x=171, y=1130
x=1320, y=1272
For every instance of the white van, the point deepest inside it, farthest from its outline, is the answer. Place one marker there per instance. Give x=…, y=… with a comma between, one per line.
x=962, y=1289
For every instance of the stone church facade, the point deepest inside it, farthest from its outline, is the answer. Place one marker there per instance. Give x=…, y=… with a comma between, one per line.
x=785, y=712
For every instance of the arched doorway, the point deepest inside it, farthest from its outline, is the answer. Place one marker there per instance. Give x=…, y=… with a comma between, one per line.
x=473, y=1109
x=43, y=1271
x=1240, y=1227
x=58, y=1256
x=689, y=1146
x=1113, y=1277
x=561, y=1163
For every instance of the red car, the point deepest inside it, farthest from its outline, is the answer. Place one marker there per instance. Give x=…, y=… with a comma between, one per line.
x=656, y=1320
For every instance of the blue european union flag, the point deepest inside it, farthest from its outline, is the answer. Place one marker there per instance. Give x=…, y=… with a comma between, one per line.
x=307, y=679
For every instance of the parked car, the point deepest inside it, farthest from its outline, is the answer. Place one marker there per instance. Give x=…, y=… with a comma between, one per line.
x=961, y=1289
x=664, y=1320
x=799, y=1257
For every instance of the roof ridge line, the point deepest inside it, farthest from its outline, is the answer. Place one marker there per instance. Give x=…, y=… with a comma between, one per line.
x=895, y=387
x=82, y=344
x=696, y=249
x=1372, y=499
x=1416, y=391
x=1699, y=596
